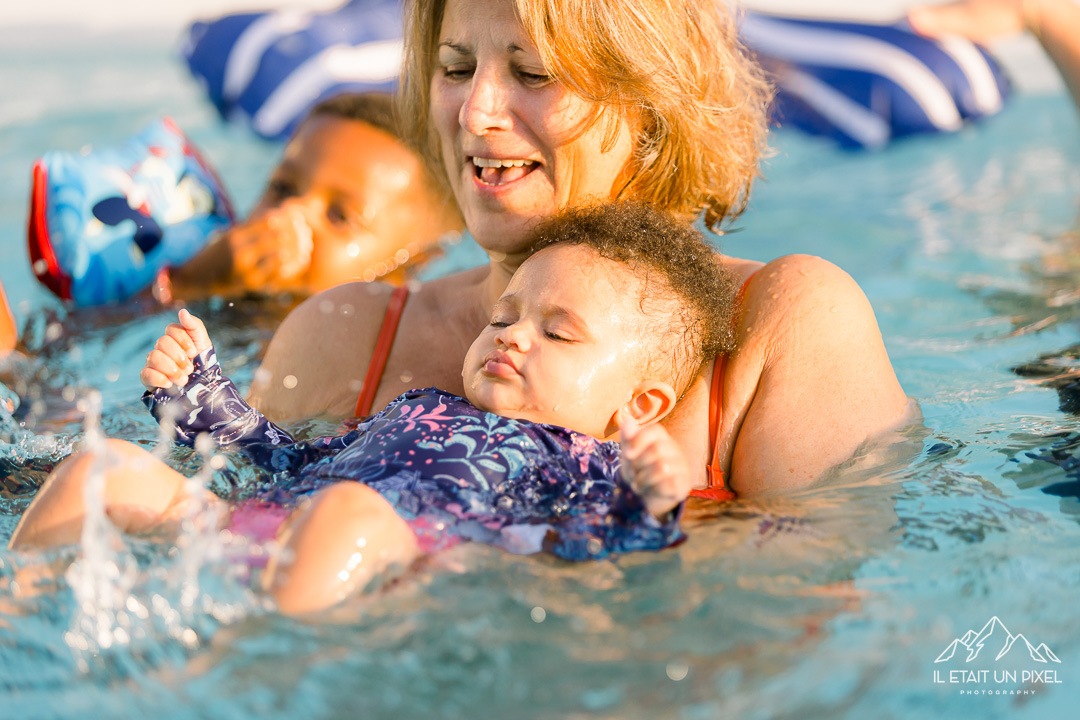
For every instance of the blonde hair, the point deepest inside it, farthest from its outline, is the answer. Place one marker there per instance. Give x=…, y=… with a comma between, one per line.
x=675, y=64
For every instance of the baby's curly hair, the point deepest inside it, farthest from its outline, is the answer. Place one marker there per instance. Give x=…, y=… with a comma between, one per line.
x=687, y=295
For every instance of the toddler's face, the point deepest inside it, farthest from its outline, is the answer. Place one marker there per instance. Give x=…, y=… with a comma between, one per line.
x=355, y=191
x=565, y=344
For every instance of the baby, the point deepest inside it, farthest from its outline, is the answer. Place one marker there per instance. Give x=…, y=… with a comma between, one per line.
x=601, y=329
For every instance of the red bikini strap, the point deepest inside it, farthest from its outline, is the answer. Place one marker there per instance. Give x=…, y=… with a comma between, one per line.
x=717, y=486
x=383, y=345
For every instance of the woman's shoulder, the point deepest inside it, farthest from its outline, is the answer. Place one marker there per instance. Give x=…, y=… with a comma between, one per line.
x=810, y=375
x=320, y=352
x=316, y=362
x=793, y=283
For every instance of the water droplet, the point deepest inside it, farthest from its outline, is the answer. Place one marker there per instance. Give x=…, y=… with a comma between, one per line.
x=113, y=374
x=352, y=249
x=832, y=309
x=677, y=670
x=40, y=267
x=53, y=332
x=263, y=376
x=347, y=309
x=538, y=614
x=594, y=546
x=406, y=376
x=289, y=381
x=326, y=306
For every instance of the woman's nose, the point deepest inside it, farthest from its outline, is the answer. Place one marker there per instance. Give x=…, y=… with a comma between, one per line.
x=486, y=107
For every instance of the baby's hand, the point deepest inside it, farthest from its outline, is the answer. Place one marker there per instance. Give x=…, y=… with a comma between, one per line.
x=653, y=465
x=169, y=362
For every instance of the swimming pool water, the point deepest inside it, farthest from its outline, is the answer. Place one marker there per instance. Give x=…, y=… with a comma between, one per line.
x=832, y=602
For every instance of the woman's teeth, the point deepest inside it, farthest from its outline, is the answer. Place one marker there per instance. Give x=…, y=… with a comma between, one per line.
x=494, y=163
x=492, y=171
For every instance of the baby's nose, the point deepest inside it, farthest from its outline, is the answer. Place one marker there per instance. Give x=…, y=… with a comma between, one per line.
x=516, y=335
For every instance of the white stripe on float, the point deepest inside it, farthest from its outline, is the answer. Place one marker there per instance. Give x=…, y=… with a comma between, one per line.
x=374, y=62
x=984, y=86
x=246, y=53
x=831, y=48
x=867, y=128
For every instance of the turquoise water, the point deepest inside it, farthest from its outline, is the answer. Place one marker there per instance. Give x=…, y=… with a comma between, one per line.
x=833, y=602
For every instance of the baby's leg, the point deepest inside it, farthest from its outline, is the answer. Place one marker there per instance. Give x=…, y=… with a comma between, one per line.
x=335, y=545
x=141, y=494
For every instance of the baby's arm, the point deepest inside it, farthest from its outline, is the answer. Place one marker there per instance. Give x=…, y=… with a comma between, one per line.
x=653, y=464
x=631, y=500
x=185, y=385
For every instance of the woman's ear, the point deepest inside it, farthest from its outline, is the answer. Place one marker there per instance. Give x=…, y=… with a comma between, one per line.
x=652, y=401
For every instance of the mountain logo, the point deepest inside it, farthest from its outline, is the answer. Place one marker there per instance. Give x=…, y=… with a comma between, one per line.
x=994, y=636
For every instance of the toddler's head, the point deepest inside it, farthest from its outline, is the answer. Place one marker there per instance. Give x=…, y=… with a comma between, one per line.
x=349, y=181
x=614, y=313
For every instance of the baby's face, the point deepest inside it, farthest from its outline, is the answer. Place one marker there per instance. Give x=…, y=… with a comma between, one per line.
x=565, y=344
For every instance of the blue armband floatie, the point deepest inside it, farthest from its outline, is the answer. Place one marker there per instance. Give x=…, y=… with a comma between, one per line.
x=104, y=223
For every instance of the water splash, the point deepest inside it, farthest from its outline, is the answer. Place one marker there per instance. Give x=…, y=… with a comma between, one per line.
x=103, y=577
x=130, y=613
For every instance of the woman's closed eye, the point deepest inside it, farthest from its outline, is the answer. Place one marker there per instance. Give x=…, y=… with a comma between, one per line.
x=534, y=79
x=457, y=72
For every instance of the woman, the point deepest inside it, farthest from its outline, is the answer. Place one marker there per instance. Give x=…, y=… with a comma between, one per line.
x=533, y=106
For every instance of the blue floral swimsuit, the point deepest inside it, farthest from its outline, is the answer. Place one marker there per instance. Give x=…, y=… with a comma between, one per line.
x=454, y=472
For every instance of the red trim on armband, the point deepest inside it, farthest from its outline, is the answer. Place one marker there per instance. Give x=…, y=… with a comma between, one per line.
x=42, y=257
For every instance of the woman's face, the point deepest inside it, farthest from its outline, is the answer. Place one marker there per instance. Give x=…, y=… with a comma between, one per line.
x=514, y=142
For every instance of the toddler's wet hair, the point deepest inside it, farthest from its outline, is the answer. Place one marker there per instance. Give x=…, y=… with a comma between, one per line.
x=687, y=295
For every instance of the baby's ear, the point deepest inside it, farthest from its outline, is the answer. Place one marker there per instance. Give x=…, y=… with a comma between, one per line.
x=651, y=402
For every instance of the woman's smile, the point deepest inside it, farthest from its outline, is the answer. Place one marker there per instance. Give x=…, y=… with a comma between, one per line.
x=493, y=171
